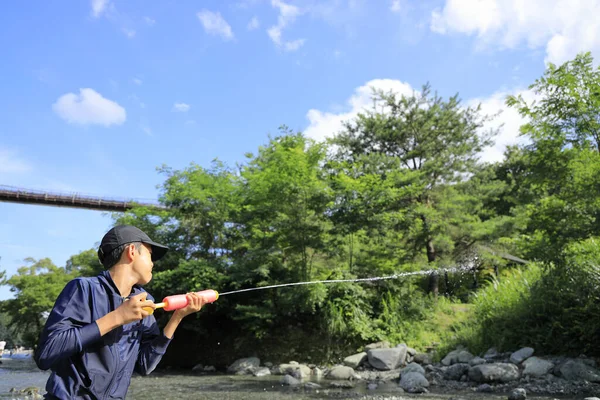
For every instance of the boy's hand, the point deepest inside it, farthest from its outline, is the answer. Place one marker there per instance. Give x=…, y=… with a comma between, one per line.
x=195, y=303
x=133, y=308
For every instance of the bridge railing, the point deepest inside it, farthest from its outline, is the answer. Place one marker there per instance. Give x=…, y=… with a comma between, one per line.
x=78, y=200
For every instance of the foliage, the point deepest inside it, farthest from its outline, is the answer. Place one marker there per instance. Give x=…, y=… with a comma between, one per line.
x=36, y=287
x=553, y=308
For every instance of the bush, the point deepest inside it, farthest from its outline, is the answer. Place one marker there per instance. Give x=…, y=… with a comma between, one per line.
x=553, y=308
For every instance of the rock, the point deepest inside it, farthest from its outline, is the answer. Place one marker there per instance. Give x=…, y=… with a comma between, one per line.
x=591, y=398
x=283, y=369
x=537, y=367
x=451, y=358
x=355, y=360
x=378, y=345
x=316, y=372
x=197, y=367
x=423, y=358
x=312, y=385
x=387, y=359
x=517, y=394
x=484, y=388
x=342, y=373
x=413, y=382
x=268, y=364
x=413, y=367
x=342, y=384
x=456, y=371
x=409, y=350
x=380, y=375
x=521, y=355
x=289, y=381
x=211, y=368
x=261, y=371
x=372, y=386
x=243, y=364
x=495, y=372
x=575, y=370
x=477, y=361
x=491, y=354
x=464, y=357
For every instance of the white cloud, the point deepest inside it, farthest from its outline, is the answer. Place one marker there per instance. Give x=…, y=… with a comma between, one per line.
x=130, y=33
x=181, y=107
x=214, y=24
x=12, y=162
x=98, y=7
x=287, y=15
x=326, y=124
x=564, y=28
x=89, y=107
x=396, y=6
x=253, y=24
x=149, y=21
x=137, y=81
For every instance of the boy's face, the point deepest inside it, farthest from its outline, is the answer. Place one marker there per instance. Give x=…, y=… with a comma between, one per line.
x=142, y=264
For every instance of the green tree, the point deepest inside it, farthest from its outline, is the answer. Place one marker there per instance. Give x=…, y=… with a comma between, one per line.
x=425, y=146
x=35, y=288
x=85, y=263
x=559, y=178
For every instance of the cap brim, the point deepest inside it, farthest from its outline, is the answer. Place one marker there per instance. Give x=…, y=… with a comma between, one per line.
x=158, y=250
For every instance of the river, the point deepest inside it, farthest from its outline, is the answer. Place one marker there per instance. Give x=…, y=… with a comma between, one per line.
x=20, y=373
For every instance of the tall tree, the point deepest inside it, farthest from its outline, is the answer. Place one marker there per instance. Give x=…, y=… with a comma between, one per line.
x=562, y=159
x=36, y=288
x=425, y=145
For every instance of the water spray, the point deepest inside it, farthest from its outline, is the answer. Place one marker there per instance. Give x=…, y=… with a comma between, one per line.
x=175, y=302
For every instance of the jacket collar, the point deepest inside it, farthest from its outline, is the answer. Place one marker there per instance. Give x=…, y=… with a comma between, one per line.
x=112, y=287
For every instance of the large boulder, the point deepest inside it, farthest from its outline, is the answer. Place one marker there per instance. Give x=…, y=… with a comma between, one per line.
x=464, y=357
x=537, y=367
x=355, y=360
x=577, y=370
x=341, y=373
x=243, y=365
x=496, y=372
x=521, y=355
x=413, y=382
x=413, y=367
x=387, y=359
x=456, y=371
x=295, y=369
x=423, y=358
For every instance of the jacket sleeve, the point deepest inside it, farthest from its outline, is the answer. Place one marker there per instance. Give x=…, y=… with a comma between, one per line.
x=152, y=347
x=69, y=328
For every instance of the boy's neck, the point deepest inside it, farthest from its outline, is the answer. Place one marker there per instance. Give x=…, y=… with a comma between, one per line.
x=122, y=279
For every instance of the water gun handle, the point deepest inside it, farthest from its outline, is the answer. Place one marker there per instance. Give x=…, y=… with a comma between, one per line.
x=178, y=301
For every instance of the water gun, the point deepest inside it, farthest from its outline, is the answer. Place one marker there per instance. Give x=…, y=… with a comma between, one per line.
x=175, y=302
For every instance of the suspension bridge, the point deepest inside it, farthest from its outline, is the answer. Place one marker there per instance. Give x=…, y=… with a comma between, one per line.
x=14, y=194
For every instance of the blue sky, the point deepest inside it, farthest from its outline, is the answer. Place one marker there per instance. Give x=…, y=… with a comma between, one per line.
x=97, y=94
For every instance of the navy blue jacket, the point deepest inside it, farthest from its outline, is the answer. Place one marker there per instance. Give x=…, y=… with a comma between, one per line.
x=84, y=364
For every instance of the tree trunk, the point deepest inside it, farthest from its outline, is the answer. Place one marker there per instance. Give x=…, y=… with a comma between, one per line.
x=434, y=278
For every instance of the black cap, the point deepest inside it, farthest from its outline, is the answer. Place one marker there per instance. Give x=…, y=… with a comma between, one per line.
x=124, y=234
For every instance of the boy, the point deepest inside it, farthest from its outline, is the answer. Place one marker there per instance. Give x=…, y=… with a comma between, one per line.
x=98, y=332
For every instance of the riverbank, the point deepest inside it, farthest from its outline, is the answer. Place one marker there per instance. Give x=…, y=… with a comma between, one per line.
x=20, y=379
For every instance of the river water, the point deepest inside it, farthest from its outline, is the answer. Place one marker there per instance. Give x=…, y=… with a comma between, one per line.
x=20, y=373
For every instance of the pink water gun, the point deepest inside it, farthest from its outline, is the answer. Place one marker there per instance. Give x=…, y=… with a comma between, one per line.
x=178, y=301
